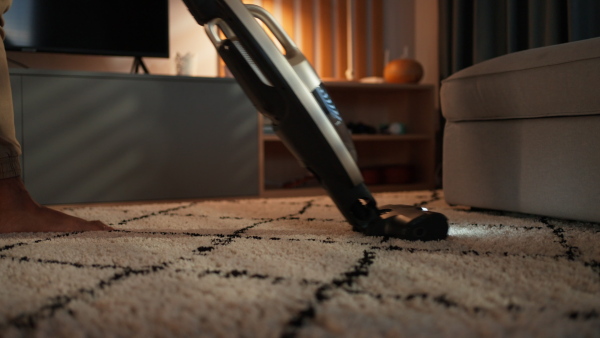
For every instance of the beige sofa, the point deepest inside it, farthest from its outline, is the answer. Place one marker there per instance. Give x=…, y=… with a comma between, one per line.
x=523, y=132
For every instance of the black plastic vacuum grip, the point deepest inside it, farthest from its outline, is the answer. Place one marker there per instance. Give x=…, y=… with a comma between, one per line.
x=286, y=89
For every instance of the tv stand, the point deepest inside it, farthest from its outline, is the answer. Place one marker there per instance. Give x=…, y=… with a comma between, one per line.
x=106, y=137
x=137, y=63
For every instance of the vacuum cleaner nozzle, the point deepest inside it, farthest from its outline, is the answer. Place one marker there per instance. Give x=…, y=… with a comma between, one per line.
x=410, y=223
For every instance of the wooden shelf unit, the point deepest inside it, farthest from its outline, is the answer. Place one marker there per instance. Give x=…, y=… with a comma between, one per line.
x=374, y=105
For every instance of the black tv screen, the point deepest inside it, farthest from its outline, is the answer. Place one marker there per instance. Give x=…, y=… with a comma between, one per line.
x=99, y=27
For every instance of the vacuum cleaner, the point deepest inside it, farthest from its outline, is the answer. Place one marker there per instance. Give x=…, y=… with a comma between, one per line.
x=284, y=87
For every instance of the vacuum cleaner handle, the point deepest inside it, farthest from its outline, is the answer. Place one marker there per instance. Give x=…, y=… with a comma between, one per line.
x=286, y=89
x=307, y=74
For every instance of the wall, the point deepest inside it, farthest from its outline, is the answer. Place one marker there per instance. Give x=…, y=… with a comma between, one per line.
x=409, y=25
x=411, y=28
x=399, y=32
x=427, y=41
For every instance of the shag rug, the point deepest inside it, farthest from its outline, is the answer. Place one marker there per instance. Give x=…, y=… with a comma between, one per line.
x=292, y=267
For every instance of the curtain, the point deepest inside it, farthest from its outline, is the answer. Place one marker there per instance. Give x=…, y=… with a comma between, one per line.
x=472, y=31
x=322, y=30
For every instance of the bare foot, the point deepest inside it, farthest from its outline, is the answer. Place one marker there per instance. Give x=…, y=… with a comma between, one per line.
x=20, y=213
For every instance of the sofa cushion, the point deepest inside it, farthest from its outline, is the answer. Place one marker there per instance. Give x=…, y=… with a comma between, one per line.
x=559, y=80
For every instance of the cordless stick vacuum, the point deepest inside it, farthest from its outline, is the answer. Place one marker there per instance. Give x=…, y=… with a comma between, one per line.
x=285, y=88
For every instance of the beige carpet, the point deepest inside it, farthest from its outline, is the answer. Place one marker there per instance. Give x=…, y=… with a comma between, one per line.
x=292, y=267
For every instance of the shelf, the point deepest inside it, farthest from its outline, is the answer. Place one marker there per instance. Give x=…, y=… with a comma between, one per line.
x=318, y=191
x=366, y=137
x=372, y=105
x=349, y=85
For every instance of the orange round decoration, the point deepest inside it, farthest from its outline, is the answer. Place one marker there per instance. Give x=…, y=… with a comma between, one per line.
x=403, y=71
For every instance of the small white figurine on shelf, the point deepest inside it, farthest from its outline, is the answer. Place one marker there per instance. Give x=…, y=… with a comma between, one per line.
x=184, y=64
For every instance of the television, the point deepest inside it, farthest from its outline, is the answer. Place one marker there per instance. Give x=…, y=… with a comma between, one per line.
x=138, y=28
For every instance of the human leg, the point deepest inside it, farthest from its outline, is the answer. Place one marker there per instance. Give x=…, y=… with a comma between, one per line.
x=9, y=147
x=18, y=211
